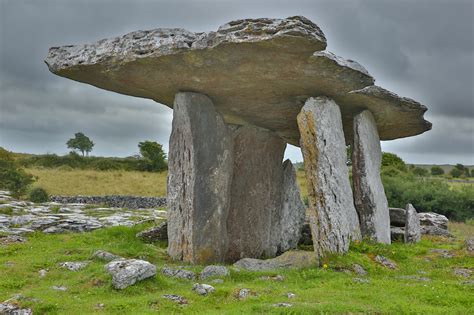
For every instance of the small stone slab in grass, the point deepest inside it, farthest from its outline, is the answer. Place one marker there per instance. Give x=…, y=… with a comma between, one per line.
x=74, y=265
x=105, y=256
x=127, y=272
x=469, y=244
x=358, y=269
x=290, y=259
x=176, y=298
x=203, y=289
x=14, y=309
x=384, y=261
x=214, y=271
x=283, y=304
x=178, y=273
x=153, y=234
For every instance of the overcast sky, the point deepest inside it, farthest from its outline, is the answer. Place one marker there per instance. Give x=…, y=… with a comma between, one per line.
x=418, y=49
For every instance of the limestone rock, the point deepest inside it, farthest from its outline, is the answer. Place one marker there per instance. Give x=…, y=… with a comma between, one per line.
x=369, y=195
x=203, y=289
x=358, y=269
x=469, y=244
x=74, y=265
x=13, y=309
x=129, y=271
x=261, y=56
x=290, y=259
x=243, y=294
x=293, y=211
x=384, y=261
x=333, y=218
x=397, y=234
x=153, y=234
x=412, y=225
x=105, y=256
x=214, y=271
x=176, y=298
x=434, y=230
x=397, y=217
x=199, y=178
x=306, y=237
x=433, y=219
x=256, y=190
x=178, y=273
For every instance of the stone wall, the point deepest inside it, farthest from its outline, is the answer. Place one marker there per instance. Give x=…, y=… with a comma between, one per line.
x=131, y=202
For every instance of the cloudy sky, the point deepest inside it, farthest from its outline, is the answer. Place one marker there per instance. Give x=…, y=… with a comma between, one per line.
x=422, y=49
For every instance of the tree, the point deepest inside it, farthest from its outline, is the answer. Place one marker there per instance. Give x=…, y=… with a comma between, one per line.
x=12, y=177
x=391, y=159
x=419, y=171
x=436, y=170
x=456, y=172
x=80, y=142
x=153, y=156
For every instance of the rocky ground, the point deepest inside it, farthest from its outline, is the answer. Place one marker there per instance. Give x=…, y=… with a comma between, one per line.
x=23, y=217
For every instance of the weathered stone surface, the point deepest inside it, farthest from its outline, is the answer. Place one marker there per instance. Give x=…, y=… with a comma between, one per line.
x=369, y=195
x=74, y=265
x=293, y=211
x=256, y=193
x=397, y=217
x=412, y=225
x=7, y=308
x=358, y=269
x=105, y=256
x=153, y=234
x=203, y=289
x=176, y=298
x=178, y=273
x=214, y=271
x=333, y=217
x=306, y=237
x=384, y=261
x=257, y=71
x=127, y=272
x=290, y=259
x=434, y=230
x=433, y=219
x=199, y=178
x=469, y=244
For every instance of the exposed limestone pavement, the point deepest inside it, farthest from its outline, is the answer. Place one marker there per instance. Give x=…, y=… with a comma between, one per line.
x=23, y=217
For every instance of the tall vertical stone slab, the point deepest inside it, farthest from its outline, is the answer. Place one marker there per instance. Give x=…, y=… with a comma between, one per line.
x=293, y=211
x=333, y=218
x=255, y=194
x=199, y=178
x=369, y=195
x=412, y=225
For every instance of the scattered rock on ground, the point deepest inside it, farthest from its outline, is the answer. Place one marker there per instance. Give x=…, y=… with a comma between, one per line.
x=274, y=278
x=129, y=271
x=214, y=271
x=385, y=262
x=153, y=234
x=74, y=265
x=290, y=259
x=361, y=280
x=59, y=288
x=283, y=304
x=290, y=295
x=203, y=289
x=469, y=243
x=105, y=256
x=42, y=273
x=14, y=309
x=416, y=278
x=176, y=298
x=358, y=269
x=442, y=252
x=244, y=293
x=178, y=273
x=11, y=239
x=463, y=272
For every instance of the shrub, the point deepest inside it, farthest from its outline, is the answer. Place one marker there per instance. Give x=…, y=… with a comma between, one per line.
x=38, y=195
x=456, y=172
x=419, y=171
x=391, y=159
x=105, y=165
x=12, y=178
x=436, y=170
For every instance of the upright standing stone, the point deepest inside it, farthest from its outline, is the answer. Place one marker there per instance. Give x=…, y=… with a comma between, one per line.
x=199, y=178
x=369, y=195
x=333, y=218
x=255, y=194
x=293, y=211
x=412, y=225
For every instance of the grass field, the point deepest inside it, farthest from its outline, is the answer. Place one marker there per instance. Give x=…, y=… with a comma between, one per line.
x=318, y=290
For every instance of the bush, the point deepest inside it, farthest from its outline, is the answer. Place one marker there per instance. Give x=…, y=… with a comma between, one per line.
x=393, y=160
x=38, y=195
x=12, y=178
x=419, y=171
x=456, y=172
x=436, y=170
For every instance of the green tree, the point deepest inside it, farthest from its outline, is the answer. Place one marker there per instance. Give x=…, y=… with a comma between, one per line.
x=393, y=160
x=80, y=142
x=12, y=177
x=419, y=171
x=153, y=156
x=456, y=172
x=436, y=170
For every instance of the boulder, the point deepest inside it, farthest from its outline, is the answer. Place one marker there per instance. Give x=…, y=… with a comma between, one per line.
x=127, y=272
x=270, y=67
x=214, y=271
x=433, y=219
x=469, y=244
x=199, y=178
x=293, y=211
x=8, y=308
x=412, y=225
x=153, y=234
x=306, y=237
x=397, y=217
x=434, y=230
x=290, y=259
x=178, y=273
x=203, y=289
x=384, y=261
x=369, y=195
x=397, y=234
x=333, y=218
x=105, y=256
x=74, y=265
x=255, y=195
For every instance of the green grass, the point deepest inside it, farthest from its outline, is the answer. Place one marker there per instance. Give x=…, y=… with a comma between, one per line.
x=6, y=210
x=318, y=290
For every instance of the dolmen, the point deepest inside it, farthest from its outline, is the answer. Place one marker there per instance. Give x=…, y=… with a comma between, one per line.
x=239, y=95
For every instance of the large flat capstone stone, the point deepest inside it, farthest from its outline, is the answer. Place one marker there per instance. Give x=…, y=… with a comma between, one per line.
x=199, y=178
x=333, y=217
x=256, y=71
x=369, y=195
x=256, y=193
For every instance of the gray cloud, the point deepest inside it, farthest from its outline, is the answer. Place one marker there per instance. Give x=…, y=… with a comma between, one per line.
x=420, y=49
